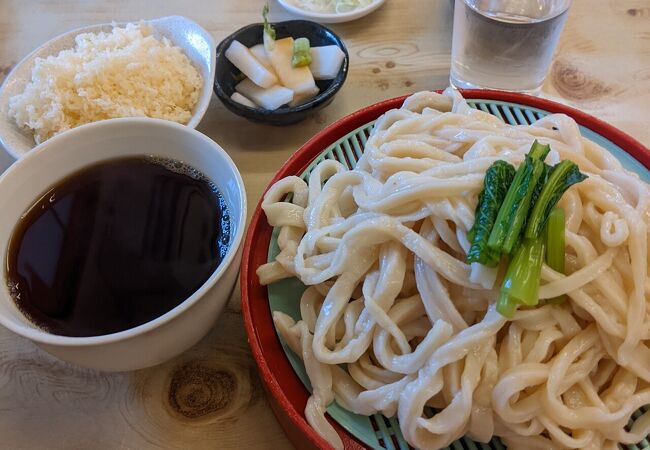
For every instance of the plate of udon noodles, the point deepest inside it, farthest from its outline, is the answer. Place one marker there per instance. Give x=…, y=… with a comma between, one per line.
x=396, y=337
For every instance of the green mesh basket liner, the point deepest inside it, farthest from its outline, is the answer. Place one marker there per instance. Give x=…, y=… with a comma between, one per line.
x=379, y=432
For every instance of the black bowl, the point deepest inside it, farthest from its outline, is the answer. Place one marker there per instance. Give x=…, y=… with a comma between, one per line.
x=227, y=75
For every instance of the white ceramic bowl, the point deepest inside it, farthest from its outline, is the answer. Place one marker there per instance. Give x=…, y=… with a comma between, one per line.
x=177, y=330
x=331, y=17
x=196, y=42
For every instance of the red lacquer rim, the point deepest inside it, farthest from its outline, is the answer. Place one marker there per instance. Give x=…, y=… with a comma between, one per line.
x=288, y=396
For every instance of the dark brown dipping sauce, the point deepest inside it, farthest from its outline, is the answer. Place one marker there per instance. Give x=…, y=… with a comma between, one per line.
x=116, y=245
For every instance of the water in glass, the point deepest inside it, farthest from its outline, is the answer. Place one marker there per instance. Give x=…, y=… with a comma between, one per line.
x=505, y=44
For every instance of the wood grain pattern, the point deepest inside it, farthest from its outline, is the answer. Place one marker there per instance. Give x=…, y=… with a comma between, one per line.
x=211, y=397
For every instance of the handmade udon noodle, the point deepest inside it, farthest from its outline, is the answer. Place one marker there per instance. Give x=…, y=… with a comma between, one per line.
x=382, y=250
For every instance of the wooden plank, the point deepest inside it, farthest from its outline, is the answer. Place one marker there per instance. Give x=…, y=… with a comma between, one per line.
x=211, y=397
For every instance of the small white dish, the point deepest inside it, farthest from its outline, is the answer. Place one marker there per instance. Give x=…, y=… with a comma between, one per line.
x=64, y=154
x=195, y=42
x=331, y=17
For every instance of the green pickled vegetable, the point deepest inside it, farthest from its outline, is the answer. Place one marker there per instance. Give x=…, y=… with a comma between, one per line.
x=269, y=31
x=497, y=179
x=555, y=245
x=562, y=176
x=513, y=213
x=301, y=54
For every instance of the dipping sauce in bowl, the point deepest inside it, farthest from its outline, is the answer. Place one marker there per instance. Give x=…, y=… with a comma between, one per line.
x=124, y=237
x=115, y=245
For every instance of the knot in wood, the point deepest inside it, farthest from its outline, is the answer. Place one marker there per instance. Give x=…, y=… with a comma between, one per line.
x=574, y=84
x=196, y=390
x=638, y=12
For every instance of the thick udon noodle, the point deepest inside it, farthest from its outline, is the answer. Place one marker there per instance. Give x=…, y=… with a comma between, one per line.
x=382, y=250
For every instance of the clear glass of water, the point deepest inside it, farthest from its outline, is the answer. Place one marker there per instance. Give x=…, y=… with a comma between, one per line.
x=505, y=44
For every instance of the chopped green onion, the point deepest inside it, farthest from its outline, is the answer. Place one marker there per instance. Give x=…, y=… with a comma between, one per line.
x=555, y=245
x=301, y=54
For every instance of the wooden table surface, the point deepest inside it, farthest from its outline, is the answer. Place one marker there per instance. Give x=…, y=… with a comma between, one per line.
x=211, y=397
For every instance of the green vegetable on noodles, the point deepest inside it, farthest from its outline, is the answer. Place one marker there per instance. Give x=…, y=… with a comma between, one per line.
x=539, y=151
x=269, y=31
x=522, y=277
x=562, y=176
x=506, y=305
x=514, y=209
x=555, y=245
x=516, y=215
x=301, y=54
x=495, y=186
x=540, y=184
x=521, y=282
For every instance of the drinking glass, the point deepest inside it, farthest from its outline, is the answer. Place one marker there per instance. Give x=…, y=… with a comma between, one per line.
x=505, y=44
